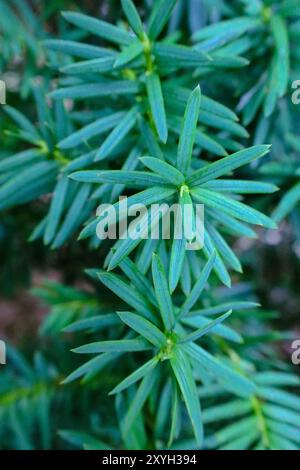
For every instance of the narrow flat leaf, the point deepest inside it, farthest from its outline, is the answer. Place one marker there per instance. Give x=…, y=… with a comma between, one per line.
x=56, y=209
x=201, y=139
x=157, y=106
x=188, y=131
x=186, y=277
x=150, y=139
x=117, y=135
x=133, y=17
x=237, y=25
x=83, y=440
x=135, y=376
x=166, y=171
x=144, y=258
x=231, y=225
x=131, y=178
x=223, y=248
x=96, y=323
x=173, y=92
x=139, y=399
x=230, y=379
x=223, y=331
x=93, y=366
x=77, y=49
x=219, y=266
x=24, y=179
x=273, y=84
x=281, y=443
x=125, y=345
x=144, y=327
x=97, y=127
x=128, y=54
x=162, y=292
x=81, y=162
x=73, y=217
x=198, y=287
x=223, y=307
x=287, y=203
x=22, y=121
x=280, y=397
x=20, y=159
x=232, y=207
x=178, y=56
x=241, y=187
x=175, y=414
x=183, y=373
x=281, y=39
x=138, y=279
x=233, y=409
x=105, y=64
x=92, y=90
x=227, y=164
x=245, y=441
x=223, y=124
x=282, y=414
x=177, y=259
x=219, y=60
x=277, y=379
x=98, y=28
x=205, y=329
x=284, y=430
x=160, y=14
x=126, y=293
x=188, y=214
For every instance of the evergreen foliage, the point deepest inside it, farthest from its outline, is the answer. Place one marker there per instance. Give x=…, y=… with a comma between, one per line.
x=173, y=102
